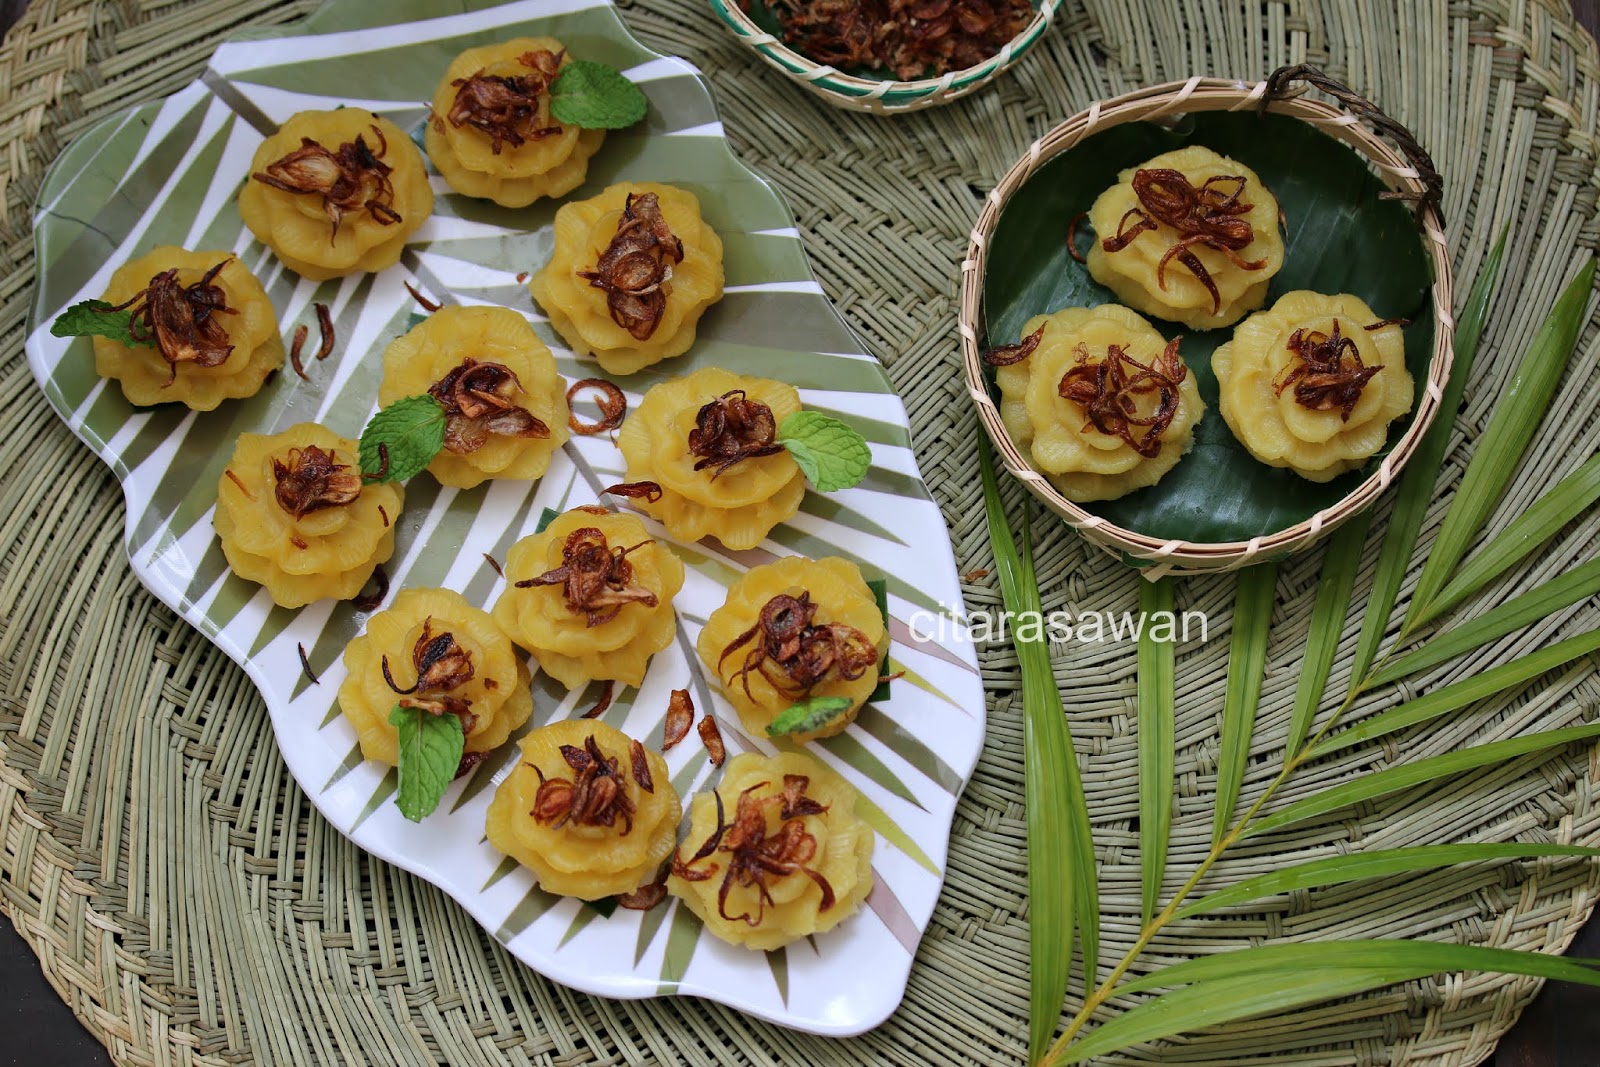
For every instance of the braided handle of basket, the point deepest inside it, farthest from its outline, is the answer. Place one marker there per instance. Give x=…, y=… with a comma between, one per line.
x=1278, y=85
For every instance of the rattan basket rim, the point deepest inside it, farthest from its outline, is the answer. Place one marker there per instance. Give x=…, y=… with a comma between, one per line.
x=1170, y=556
x=872, y=95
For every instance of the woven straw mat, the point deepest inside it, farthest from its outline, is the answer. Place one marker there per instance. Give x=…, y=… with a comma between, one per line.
x=193, y=908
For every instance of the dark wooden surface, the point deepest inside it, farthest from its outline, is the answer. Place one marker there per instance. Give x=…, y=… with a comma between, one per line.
x=1560, y=1029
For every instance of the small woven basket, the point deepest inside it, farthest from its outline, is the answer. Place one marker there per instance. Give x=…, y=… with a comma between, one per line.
x=873, y=96
x=1403, y=166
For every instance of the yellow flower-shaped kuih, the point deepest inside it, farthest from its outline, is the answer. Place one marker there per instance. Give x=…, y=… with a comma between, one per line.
x=571, y=855
x=420, y=358
x=550, y=165
x=1056, y=434
x=765, y=909
x=741, y=505
x=252, y=329
x=841, y=597
x=1316, y=443
x=297, y=225
x=497, y=696
x=578, y=310
x=328, y=551
x=542, y=620
x=1134, y=271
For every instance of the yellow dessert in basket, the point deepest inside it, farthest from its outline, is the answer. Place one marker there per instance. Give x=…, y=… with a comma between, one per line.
x=1097, y=400
x=430, y=649
x=491, y=133
x=1312, y=383
x=504, y=400
x=777, y=853
x=633, y=270
x=206, y=330
x=591, y=597
x=589, y=810
x=795, y=629
x=336, y=192
x=708, y=442
x=294, y=515
x=1190, y=236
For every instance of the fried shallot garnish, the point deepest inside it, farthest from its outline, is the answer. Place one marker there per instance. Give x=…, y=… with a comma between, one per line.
x=1325, y=370
x=596, y=578
x=1005, y=355
x=441, y=664
x=636, y=266
x=180, y=319
x=597, y=792
x=756, y=853
x=1210, y=216
x=795, y=653
x=509, y=109
x=350, y=179
x=309, y=479
x=476, y=398
x=912, y=38
x=613, y=405
x=680, y=716
x=1109, y=391
x=731, y=429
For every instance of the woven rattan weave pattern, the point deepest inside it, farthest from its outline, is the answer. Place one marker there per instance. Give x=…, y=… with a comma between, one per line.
x=193, y=908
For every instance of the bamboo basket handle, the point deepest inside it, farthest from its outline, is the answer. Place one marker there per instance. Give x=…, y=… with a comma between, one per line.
x=1431, y=197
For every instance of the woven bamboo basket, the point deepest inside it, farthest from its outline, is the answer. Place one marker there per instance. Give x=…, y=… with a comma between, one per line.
x=879, y=97
x=1402, y=166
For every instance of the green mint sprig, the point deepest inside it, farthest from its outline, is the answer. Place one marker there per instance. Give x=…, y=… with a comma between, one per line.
x=595, y=96
x=409, y=432
x=805, y=716
x=831, y=455
x=430, y=752
x=94, y=318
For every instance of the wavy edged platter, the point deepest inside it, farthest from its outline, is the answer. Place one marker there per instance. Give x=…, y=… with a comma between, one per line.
x=168, y=173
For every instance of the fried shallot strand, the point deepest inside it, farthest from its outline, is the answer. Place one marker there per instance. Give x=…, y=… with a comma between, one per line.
x=295, y=348
x=795, y=653
x=731, y=429
x=1210, y=216
x=649, y=492
x=309, y=479
x=613, y=406
x=476, y=398
x=1108, y=391
x=180, y=320
x=711, y=737
x=370, y=601
x=636, y=266
x=1005, y=355
x=350, y=179
x=1326, y=370
x=755, y=853
x=596, y=579
x=607, y=692
x=680, y=716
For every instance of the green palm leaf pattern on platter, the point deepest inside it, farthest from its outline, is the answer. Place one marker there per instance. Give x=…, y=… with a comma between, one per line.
x=168, y=173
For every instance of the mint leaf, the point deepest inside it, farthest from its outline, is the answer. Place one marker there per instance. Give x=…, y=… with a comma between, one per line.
x=94, y=318
x=595, y=97
x=831, y=455
x=411, y=430
x=812, y=713
x=430, y=752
